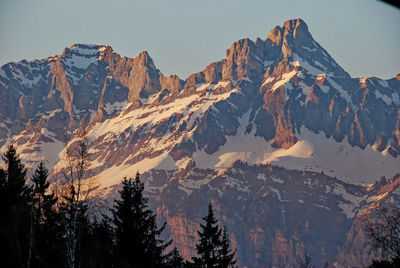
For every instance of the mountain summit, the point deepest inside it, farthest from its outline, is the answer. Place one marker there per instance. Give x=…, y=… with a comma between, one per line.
x=275, y=128
x=295, y=43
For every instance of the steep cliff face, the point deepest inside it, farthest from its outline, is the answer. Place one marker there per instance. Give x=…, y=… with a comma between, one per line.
x=273, y=214
x=282, y=100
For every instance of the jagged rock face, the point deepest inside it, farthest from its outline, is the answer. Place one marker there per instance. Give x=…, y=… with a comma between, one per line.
x=283, y=100
x=272, y=214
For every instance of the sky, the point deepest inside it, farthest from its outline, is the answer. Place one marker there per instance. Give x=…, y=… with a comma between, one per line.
x=184, y=36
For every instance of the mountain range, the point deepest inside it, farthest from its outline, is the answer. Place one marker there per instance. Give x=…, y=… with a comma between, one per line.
x=292, y=151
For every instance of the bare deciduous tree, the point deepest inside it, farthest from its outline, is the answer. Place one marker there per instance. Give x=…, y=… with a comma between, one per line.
x=383, y=232
x=78, y=194
x=304, y=261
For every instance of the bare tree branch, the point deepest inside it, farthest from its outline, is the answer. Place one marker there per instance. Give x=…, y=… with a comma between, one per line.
x=383, y=232
x=304, y=261
x=78, y=193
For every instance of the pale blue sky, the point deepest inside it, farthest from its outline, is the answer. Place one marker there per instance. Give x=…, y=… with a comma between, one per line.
x=183, y=36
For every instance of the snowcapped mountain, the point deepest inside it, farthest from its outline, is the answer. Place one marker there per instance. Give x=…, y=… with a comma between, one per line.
x=282, y=139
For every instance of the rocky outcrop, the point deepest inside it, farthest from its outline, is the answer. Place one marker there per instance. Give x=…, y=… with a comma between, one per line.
x=273, y=215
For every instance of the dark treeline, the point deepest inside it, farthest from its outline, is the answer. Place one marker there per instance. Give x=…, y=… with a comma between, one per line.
x=40, y=228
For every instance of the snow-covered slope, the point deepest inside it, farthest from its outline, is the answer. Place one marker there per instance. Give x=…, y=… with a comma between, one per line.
x=313, y=152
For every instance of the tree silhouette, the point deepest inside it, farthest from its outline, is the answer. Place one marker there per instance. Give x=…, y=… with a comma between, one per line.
x=174, y=259
x=15, y=220
x=226, y=258
x=78, y=197
x=97, y=245
x=383, y=234
x=213, y=246
x=136, y=233
x=46, y=235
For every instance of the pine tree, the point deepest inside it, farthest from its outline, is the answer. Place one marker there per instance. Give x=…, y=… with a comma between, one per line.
x=44, y=202
x=209, y=245
x=15, y=220
x=175, y=259
x=97, y=245
x=213, y=248
x=47, y=245
x=226, y=255
x=136, y=233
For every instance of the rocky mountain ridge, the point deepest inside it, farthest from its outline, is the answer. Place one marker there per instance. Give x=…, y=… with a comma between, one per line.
x=282, y=101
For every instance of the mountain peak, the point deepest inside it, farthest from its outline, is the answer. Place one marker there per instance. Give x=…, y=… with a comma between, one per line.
x=295, y=25
x=78, y=57
x=144, y=59
x=275, y=35
x=295, y=28
x=296, y=31
x=84, y=50
x=293, y=41
x=144, y=54
x=88, y=46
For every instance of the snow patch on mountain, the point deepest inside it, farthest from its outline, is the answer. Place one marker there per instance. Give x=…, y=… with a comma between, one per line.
x=313, y=152
x=79, y=62
x=349, y=203
x=191, y=107
x=211, y=86
x=277, y=193
x=267, y=81
x=238, y=184
x=384, y=98
x=2, y=72
x=284, y=79
x=115, y=107
x=306, y=91
x=343, y=93
x=248, y=148
x=37, y=150
x=190, y=184
x=202, y=86
x=394, y=98
x=383, y=83
x=26, y=73
x=78, y=58
x=114, y=174
x=298, y=61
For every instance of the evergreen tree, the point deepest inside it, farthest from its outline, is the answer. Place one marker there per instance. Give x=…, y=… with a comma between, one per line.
x=15, y=220
x=226, y=255
x=44, y=202
x=213, y=249
x=97, y=245
x=175, y=259
x=136, y=233
x=208, y=248
x=46, y=241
